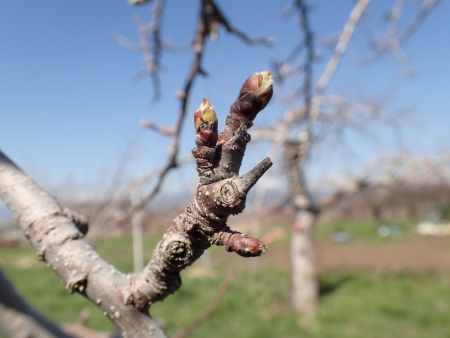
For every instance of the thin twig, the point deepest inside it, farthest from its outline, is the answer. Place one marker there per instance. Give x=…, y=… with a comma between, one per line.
x=335, y=59
x=195, y=70
x=394, y=40
x=307, y=31
x=160, y=129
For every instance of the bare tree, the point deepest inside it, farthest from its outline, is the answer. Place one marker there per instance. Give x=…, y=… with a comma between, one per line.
x=57, y=234
x=304, y=125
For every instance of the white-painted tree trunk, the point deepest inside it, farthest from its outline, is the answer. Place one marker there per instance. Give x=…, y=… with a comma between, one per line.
x=138, y=237
x=305, y=289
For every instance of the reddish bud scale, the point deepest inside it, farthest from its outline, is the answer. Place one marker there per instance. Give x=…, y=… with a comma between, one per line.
x=245, y=246
x=205, y=120
x=207, y=134
x=247, y=105
x=260, y=84
x=205, y=156
x=253, y=97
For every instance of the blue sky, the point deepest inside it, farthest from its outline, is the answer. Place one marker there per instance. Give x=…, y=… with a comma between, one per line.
x=68, y=107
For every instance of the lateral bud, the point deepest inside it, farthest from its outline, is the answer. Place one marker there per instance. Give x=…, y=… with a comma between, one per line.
x=205, y=153
x=245, y=246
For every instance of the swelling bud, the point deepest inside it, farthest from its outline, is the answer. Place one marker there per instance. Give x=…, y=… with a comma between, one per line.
x=254, y=96
x=205, y=120
x=261, y=85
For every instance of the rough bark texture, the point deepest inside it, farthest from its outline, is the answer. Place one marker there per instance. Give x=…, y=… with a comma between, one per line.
x=57, y=235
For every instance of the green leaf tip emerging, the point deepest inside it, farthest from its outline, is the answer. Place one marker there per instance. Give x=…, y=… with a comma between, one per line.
x=205, y=121
x=260, y=84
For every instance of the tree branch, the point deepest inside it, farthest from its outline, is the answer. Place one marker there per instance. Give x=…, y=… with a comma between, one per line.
x=395, y=39
x=60, y=244
x=56, y=236
x=333, y=63
x=210, y=18
x=220, y=193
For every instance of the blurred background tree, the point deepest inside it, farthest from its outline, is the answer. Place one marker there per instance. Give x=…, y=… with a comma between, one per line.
x=315, y=112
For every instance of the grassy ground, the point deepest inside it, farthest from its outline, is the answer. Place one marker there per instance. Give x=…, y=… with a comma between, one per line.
x=354, y=303
x=362, y=230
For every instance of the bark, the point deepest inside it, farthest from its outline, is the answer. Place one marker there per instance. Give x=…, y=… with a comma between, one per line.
x=305, y=293
x=305, y=288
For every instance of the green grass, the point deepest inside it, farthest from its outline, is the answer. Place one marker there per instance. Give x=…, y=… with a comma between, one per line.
x=404, y=304
x=354, y=304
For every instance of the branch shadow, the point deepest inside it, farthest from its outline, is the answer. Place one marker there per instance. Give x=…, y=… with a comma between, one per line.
x=329, y=286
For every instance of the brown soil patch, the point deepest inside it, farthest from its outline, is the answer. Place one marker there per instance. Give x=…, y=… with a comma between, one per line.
x=411, y=252
x=408, y=252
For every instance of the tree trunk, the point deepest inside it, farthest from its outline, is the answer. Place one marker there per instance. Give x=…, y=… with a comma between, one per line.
x=305, y=290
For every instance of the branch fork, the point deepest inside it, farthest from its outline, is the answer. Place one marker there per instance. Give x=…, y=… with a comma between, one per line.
x=220, y=193
x=57, y=235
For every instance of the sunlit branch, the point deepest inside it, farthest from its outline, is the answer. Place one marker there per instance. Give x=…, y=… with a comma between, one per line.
x=395, y=39
x=333, y=63
x=59, y=242
x=160, y=129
